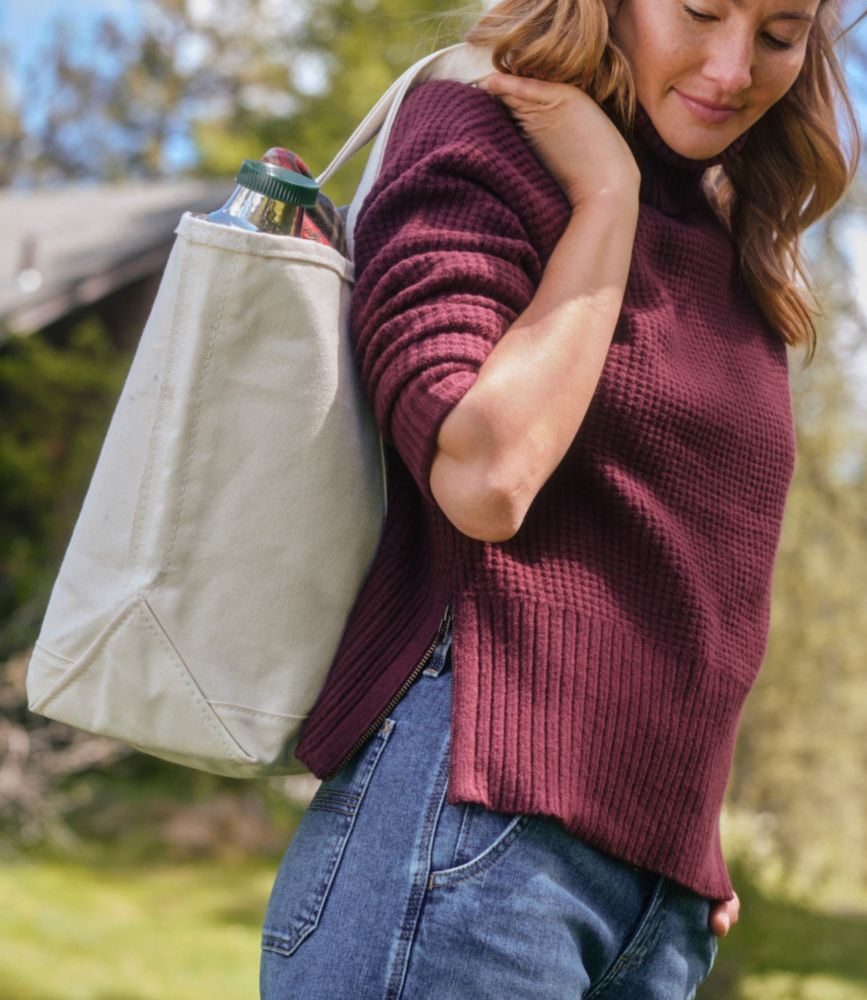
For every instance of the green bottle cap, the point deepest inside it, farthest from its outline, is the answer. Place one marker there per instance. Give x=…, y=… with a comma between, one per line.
x=278, y=183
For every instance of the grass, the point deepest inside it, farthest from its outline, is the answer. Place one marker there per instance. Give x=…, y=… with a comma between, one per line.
x=787, y=950
x=190, y=931
x=161, y=932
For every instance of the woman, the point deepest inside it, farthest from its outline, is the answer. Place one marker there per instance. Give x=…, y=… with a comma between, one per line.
x=575, y=291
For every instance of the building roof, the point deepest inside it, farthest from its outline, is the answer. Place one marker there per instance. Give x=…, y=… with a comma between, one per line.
x=66, y=247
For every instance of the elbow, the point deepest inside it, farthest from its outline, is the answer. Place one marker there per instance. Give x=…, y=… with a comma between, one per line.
x=477, y=503
x=490, y=519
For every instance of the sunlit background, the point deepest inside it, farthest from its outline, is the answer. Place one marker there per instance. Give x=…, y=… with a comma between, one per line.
x=124, y=878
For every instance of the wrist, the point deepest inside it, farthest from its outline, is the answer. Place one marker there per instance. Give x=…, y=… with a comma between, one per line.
x=615, y=195
x=615, y=206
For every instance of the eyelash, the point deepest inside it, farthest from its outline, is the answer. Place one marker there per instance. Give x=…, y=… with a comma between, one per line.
x=774, y=43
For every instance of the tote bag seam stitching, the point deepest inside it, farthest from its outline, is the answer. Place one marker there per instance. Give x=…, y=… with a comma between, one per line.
x=74, y=675
x=144, y=506
x=186, y=676
x=342, y=266
x=50, y=652
x=291, y=256
x=253, y=711
x=174, y=657
x=194, y=426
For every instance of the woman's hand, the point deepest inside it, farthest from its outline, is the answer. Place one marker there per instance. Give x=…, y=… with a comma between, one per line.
x=724, y=916
x=572, y=136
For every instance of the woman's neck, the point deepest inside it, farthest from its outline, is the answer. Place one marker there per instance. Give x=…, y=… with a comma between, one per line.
x=670, y=181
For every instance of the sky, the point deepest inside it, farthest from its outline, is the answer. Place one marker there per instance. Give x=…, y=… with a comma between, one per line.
x=24, y=23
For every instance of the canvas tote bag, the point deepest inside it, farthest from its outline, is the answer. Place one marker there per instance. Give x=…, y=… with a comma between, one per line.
x=236, y=502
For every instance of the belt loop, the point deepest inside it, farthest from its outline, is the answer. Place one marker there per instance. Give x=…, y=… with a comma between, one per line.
x=438, y=660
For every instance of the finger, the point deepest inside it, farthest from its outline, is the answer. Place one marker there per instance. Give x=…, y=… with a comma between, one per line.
x=734, y=909
x=522, y=88
x=724, y=916
x=519, y=108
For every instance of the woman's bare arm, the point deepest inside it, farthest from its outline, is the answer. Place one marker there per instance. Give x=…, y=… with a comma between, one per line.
x=502, y=441
x=504, y=438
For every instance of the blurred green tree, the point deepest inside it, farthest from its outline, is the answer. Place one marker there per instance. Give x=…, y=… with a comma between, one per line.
x=12, y=132
x=55, y=403
x=230, y=80
x=801, y=757
x=333, y=76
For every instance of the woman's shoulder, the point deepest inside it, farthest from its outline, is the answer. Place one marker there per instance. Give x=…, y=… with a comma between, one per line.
x=454, y=163
x=464, y=107
x=455, y=121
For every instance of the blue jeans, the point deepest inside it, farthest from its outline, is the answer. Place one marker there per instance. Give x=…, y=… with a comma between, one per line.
x=388, y=892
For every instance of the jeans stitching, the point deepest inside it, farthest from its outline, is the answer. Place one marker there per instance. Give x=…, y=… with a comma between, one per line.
x=286, y=943
x=492, y=854
x=415, y=903
x=329, y=800
x=438, y=660
x=637, y=947
x=463, y=834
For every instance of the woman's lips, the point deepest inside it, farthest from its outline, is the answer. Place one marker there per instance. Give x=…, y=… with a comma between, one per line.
x=703, y=112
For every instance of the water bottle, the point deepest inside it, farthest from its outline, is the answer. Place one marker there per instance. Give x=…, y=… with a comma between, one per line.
x=268, y=199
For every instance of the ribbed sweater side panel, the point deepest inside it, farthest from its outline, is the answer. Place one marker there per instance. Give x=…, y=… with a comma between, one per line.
x=640, y=777
x=603, y=655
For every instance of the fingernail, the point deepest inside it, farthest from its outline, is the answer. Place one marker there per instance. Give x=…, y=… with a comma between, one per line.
x=726, y=925
x=482, y=84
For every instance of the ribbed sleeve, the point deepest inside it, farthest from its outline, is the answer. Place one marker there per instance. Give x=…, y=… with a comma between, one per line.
x=444, y=261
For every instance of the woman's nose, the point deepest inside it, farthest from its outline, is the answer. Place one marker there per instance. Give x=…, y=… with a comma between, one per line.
x=729, y=64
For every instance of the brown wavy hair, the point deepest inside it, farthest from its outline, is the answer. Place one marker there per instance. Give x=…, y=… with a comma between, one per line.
x=791, y=172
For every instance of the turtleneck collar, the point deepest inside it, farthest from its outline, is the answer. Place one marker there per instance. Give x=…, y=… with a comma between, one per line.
x=671, y=182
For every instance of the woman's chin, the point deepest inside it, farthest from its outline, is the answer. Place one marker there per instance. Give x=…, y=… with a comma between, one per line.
x=690, y=136
x=697, y=144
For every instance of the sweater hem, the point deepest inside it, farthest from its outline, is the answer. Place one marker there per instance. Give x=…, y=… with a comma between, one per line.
x=640, y=760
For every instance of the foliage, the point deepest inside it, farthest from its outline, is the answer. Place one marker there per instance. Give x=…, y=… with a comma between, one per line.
x=234, y=78
x=785, y=950
x=12, y=132
x=55, y=405
x=336, y=78
x=801, y=755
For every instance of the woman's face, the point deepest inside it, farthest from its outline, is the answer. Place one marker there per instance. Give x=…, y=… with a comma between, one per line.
x=741, y=54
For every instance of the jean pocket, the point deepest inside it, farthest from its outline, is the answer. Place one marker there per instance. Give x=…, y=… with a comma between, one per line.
x=470, y=839
x=311, y=861
x=639, y=942
x=672, y=948
x=691, y=912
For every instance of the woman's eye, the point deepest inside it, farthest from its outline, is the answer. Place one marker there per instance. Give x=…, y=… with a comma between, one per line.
x=778, y=43
x=771, y=40
x=697, y=15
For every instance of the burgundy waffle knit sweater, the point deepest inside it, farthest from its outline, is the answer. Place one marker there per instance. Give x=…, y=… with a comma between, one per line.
x=603, y=655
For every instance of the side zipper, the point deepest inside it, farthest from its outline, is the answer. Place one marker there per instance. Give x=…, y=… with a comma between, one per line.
x=442, y=631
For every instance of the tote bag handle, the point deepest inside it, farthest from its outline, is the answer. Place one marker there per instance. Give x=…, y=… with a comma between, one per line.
x=462, y=62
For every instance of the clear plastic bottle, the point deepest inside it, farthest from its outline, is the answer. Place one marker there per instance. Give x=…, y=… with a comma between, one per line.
x=268, y=199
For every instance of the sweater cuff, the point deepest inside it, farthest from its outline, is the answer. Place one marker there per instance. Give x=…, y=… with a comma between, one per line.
x=420, y=410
